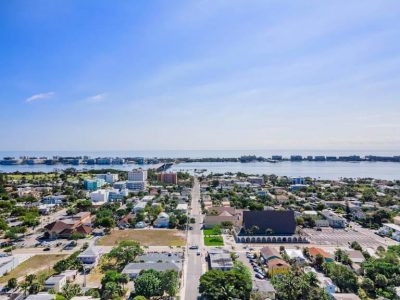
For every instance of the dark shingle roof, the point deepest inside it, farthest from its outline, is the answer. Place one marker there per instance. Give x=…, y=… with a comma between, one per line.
x=280, y=221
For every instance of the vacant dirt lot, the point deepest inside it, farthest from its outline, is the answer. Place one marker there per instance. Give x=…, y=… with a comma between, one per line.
x=146, y=237
x=33, y=265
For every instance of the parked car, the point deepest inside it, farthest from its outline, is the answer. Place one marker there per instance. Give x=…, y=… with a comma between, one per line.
x=259, y=276
x=194, y=247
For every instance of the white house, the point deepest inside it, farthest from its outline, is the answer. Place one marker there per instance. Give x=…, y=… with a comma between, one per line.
x=182, y=207
x=90, y=257
x=56, y=282
x=295, y=254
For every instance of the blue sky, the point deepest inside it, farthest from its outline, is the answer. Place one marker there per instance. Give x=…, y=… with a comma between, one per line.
x=134, y=75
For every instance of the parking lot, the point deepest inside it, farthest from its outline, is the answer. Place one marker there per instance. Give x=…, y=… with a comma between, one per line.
x=341, y=237
x=262, y=285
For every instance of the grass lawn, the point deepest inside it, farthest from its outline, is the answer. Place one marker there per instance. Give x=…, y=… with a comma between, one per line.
x=94, y=277
x=34, y=265
x=215, y=240
x=212, y=231
x=146, y=237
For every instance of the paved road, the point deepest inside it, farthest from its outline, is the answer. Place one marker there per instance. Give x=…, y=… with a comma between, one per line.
x=194, y=262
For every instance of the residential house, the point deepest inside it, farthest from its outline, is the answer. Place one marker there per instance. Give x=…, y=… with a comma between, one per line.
x=265, y=288
x=269, y=253
x=155, y=261
x=55, y=282
x=139, y=206
x=277, y=266
x=220, y=259
x=133, y=269
x=295, y=254
x=314, y=251
x=217, y=215
x=90, y=257
x=182, y=207
x=327, y=284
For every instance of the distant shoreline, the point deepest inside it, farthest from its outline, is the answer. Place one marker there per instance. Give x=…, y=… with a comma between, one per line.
x=109, y=161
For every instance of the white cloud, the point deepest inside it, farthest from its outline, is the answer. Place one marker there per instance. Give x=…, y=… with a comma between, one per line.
x=96, y=98
x=40, y=96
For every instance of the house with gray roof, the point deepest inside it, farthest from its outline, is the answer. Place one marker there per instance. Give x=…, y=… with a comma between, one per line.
x=133, y=269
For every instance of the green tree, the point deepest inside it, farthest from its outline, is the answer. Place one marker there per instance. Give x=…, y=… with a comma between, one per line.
x=219, y=285
x=381, y=281
x=296, y=286
x=30, y=278
x=356, y=246
x=35, y=288
x=318, y=261
x=368, y=285
x=169, y=282
x=344, y=278
x=148, y=284
x=24, y=287
x=126, y=252
x=112, y=290
x=71, y=290
x=12, y=283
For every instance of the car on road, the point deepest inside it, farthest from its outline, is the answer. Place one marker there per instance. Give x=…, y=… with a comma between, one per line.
x=259, y=276
x=194, y=247
x=46, y=249
x=198, y=253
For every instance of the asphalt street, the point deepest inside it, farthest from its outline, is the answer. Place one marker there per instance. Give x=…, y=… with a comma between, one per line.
x=193, y=261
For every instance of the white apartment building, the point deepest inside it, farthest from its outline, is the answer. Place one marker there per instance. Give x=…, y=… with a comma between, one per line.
x=99, y=196
x=109, y=178
x=137, y=175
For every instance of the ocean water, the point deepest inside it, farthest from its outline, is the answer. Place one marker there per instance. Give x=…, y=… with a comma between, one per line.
x=322, y=170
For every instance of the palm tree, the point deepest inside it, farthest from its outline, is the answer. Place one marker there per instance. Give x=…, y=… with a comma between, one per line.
x=30, y=278
x=254, y=229
x=25, y=287
x=269, y=231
